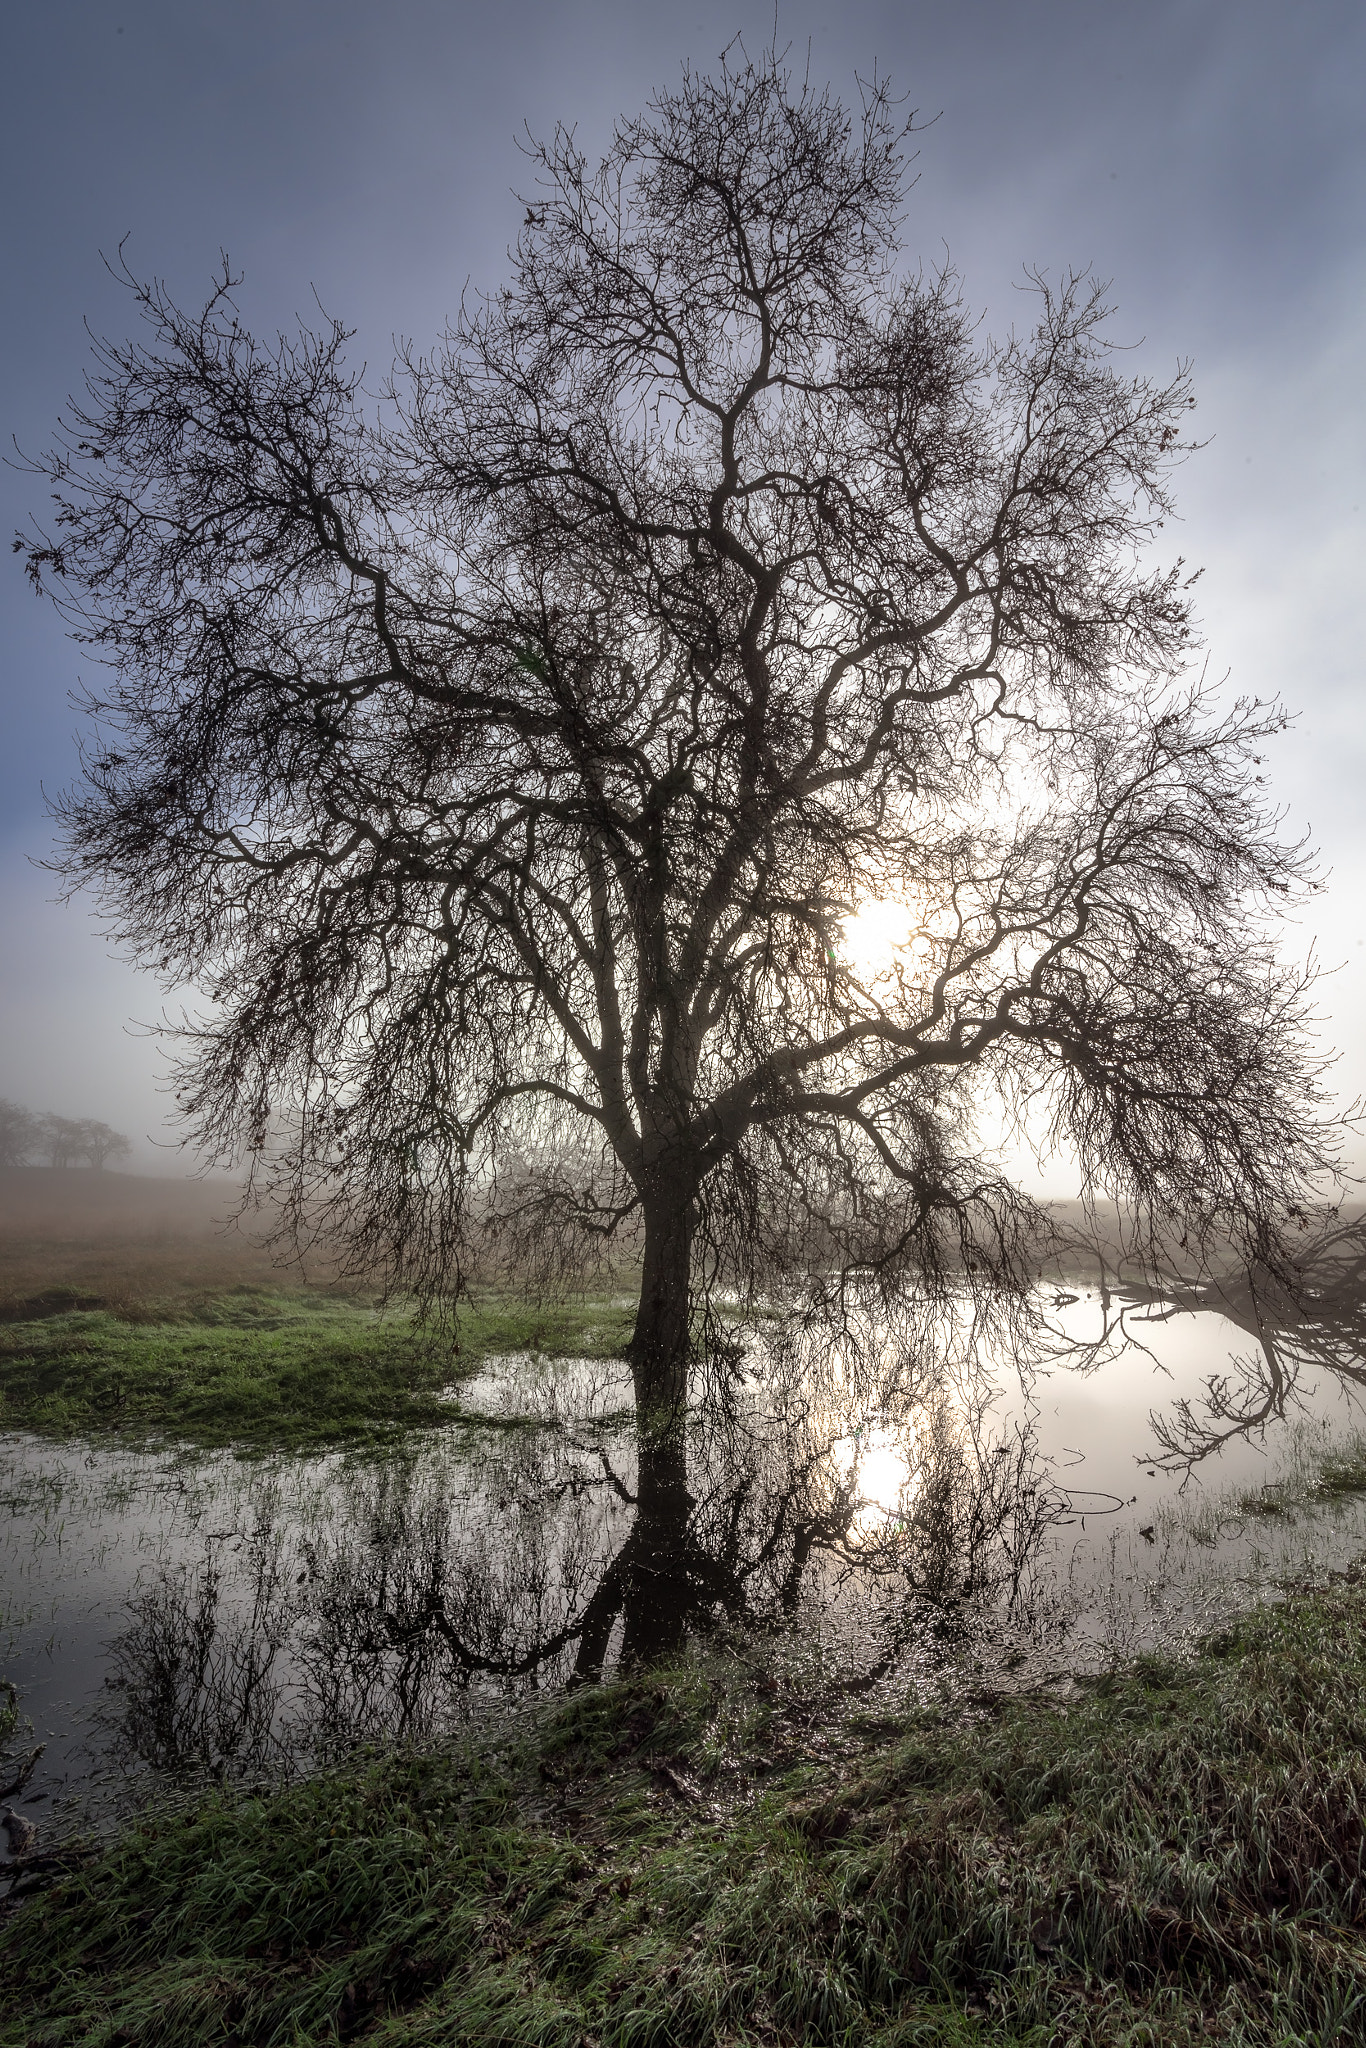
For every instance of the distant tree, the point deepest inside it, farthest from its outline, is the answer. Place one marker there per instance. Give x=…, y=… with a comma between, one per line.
x=99, y=1144
x=510, y=764
x=20, y=1132
x=69, y=1139
x=61, y=1139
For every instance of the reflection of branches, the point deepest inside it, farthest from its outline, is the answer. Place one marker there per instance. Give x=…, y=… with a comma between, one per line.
x=200, y=1687
x=1311, y=1319
x=428, y=1608
x=571, y=1554
x=1316, y=1324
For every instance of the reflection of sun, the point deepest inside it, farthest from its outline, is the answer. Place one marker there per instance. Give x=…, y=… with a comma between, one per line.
x=879, y=1465
x=883, y=1472
x=880, y=933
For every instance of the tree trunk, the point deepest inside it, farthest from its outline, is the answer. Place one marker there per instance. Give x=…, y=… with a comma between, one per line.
x=649, y=1582
x=660, y=1594
x=659, y=1351
x=654, y=1583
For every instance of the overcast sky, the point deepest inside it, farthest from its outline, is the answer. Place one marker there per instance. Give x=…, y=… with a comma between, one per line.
x=1205, y=155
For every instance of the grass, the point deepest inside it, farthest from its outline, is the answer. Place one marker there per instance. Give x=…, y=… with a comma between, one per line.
x=1318, y=1466
x=130, y=1261
x=1173, y=1856
x=260, y=1367
x=127, y=1313
x=1320, y=1473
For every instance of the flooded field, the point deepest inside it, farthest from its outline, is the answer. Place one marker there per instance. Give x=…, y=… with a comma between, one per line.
x=170, y=1616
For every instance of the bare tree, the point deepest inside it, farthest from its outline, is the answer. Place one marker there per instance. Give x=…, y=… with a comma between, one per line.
x=62, y=1138
x=99, y=1144
x=509, y=757
x=103, y=1144
x=19, y=1134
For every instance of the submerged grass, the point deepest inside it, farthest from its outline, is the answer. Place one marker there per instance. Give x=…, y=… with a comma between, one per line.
x=1176, y=1854
x=1333, y=1471
x=1319, y=1466
x=261, y=1367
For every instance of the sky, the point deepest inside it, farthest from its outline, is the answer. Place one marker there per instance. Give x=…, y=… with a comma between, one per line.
x=1208, y=157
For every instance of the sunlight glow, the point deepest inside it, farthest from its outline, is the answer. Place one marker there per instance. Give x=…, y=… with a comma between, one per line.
x=881, y=935
x=881, y=1467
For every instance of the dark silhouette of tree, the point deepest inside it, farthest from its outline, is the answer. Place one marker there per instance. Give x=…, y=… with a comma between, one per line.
x=20, y=1132
x=62, y=1139
x=98, y=1144
x=506, y=757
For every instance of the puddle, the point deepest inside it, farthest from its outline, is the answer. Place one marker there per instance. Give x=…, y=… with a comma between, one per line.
x=169, y=1618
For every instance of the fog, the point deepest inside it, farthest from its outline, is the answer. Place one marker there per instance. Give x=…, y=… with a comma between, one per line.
x=1207, y=160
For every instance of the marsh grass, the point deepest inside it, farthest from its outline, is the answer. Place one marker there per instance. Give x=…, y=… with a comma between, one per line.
x=1328, y=1472
x=265, y=1368
x=1318, y=1466
x=1174, y=1854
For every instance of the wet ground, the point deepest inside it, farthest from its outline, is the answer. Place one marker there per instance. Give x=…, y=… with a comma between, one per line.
x=169, y=1617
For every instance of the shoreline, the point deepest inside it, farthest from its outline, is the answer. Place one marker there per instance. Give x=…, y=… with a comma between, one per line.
x=1177, y=1849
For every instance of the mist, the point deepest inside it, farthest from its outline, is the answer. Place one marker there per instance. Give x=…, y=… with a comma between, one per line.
x=1208, y=161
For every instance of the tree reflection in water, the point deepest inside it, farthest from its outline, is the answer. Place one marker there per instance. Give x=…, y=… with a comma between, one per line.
x=1302, y=1338
x=196, y=1677
x=566, y=1552
x=876, y=1535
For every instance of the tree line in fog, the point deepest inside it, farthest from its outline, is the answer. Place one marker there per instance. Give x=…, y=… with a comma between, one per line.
x=28, y=1139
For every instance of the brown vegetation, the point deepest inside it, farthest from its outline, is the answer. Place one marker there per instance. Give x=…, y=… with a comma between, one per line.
x=86, y=1238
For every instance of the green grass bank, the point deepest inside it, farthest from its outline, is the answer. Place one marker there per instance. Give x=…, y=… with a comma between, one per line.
x=1175, y=1855
x=262, y=1368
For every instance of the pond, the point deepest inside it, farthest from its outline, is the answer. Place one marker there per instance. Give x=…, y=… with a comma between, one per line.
x=170, y=1617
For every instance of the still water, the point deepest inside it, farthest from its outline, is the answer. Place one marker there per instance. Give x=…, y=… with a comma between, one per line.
x=167, y=1617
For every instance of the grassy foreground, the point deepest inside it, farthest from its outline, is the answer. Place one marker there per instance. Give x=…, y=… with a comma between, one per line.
x=261, y=1367
x=1177, y=1856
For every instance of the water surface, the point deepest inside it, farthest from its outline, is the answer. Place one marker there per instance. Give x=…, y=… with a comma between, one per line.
x=169, y=1616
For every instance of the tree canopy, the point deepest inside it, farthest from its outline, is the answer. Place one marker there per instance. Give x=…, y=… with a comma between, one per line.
x=508, y=755
x=64, y=1139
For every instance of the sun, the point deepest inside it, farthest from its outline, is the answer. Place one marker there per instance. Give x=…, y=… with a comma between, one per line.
x=881, y=933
